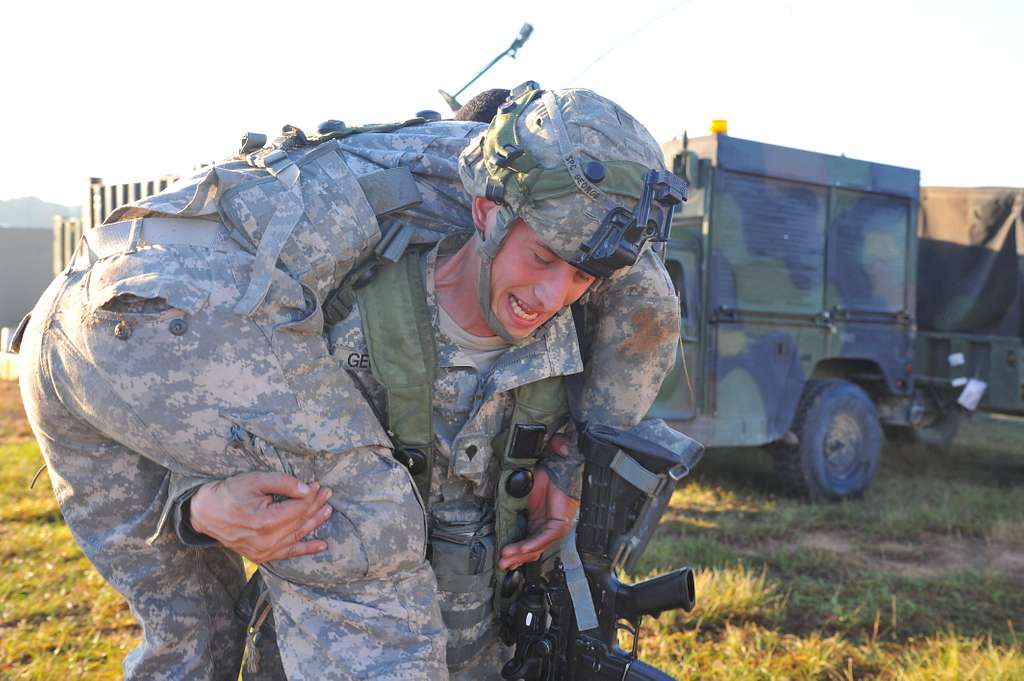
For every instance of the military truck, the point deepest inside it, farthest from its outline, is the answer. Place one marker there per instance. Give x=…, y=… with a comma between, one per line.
x=968, y=350
x=795, y=272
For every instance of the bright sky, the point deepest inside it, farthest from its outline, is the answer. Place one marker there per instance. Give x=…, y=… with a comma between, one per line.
x=131, y=90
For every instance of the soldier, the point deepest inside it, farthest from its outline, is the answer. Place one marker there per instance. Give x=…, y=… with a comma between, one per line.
x=473, y=403
x=228, y=373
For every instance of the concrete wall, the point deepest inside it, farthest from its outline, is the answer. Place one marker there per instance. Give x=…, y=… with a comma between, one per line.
x=26, y=268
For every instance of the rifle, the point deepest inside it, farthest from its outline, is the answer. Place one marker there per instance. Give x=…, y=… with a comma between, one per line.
x=627, y=483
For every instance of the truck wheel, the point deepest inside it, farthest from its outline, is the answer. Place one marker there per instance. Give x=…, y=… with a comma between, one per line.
x=840, y=442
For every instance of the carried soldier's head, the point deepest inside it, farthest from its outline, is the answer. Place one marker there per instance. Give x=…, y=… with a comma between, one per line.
x=483, y=107
x=571, y=180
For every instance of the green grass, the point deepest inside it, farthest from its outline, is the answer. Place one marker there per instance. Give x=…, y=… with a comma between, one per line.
x=58, y=619
x=921, y=580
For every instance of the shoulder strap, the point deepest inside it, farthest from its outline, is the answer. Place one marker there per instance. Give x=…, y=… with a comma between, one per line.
x=540, y=402
x=403, y=357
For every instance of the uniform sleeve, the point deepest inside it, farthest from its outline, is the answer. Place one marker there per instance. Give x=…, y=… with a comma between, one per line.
x=631, y=340
x=566, y=472
x=182, y=489
x=633, y=335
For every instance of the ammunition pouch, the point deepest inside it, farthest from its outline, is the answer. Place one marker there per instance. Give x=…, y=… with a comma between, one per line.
x=462, y=553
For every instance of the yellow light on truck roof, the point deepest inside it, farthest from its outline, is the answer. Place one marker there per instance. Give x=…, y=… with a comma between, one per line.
x=719, y=126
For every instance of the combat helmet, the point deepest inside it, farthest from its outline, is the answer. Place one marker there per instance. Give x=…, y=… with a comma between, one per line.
x=579, y=170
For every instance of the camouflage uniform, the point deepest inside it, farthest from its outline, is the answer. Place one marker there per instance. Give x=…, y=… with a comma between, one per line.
x=142, y=353
x=303, y=413
x=139, y=371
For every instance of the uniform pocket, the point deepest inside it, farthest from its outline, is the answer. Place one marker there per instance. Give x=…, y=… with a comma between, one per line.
x=279, y=448
x=378, y=495
x=462, y=548
x=344, y=560
x=378, y=527
x=147, y=284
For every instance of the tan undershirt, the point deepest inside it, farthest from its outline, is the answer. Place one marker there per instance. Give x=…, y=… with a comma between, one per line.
x=483, y=350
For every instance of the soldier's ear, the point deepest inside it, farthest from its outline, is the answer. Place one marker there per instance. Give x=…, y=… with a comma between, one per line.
x=485, y=214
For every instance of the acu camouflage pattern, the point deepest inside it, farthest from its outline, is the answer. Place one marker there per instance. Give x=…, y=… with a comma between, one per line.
x=249, y=199
x=469, y=412
x=112, y=499
x=791, y=265
x=229, y=394
x=248, y=393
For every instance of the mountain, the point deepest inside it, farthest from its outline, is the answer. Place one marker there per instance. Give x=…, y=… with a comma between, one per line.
x=32, y=212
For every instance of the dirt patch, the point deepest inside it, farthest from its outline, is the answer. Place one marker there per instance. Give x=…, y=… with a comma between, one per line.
x=942, y=555
x=932, y=556
x=828, y=541
x=1010, y=562
x=649, y=332
x=13, y=425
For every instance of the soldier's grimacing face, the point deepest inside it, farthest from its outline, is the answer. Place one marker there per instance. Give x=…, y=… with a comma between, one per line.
x=530, y=283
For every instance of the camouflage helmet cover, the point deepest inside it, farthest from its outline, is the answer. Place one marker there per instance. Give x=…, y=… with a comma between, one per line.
x=560, y=133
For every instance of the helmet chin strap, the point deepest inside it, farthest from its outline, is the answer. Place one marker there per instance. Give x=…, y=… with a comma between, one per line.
x=488, y=248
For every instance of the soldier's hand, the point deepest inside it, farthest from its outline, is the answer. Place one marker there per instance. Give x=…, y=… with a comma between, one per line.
x=550, y=512
x=241, y=514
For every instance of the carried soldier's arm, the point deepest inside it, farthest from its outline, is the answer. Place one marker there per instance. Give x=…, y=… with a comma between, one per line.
x=630, y=328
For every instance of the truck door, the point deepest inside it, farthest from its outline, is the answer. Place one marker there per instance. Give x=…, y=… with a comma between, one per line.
x=869, y=296
x=765, y=303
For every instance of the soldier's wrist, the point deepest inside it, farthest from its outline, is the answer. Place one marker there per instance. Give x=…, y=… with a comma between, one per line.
x=189, y=526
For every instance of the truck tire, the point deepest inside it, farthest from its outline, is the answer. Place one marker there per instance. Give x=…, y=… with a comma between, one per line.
x=840, y=442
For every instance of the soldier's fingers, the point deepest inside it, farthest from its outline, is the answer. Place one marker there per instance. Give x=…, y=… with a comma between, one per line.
x=547, y=535
x=312, y=523
x=295, y=550
x=283, y=484
x=512, y=562
x=304, y=548
x=291, y=514
x=537, y=542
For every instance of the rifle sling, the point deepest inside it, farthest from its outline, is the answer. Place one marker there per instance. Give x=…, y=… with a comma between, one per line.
x=576, y=582
x=635, y=474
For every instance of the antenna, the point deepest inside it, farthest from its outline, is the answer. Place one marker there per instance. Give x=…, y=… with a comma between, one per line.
x=524, y=35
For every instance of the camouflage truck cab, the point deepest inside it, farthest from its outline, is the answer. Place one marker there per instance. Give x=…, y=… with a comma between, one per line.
x=796, y=279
